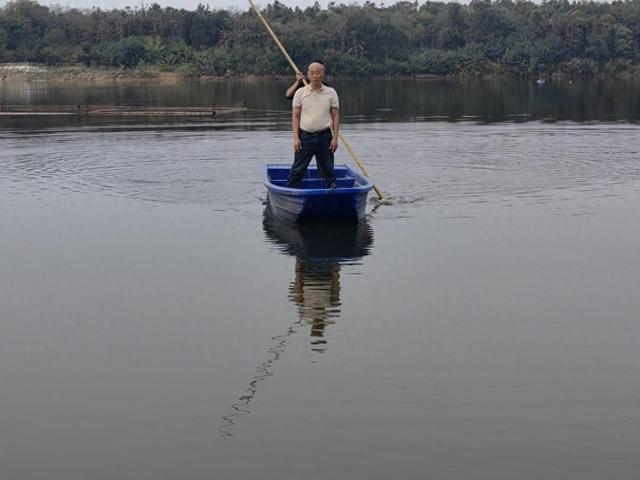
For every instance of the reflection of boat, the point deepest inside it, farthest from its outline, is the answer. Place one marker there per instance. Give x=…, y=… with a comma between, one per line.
x=314, y=239
x=312, y=199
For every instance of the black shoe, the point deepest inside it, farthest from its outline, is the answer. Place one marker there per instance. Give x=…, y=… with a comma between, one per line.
x=331, y=186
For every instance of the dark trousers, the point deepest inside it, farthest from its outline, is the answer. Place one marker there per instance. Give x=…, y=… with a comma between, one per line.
x=317, y=144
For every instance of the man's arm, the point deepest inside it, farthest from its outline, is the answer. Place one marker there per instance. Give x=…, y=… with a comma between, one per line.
x=295, y=85
x=335, y=126
x=295, y=126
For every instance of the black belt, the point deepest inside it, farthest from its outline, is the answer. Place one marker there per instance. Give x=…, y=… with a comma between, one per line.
x=321, y=132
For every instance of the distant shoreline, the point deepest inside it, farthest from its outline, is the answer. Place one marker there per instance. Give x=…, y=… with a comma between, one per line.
x=85, y=75
x=79, y=75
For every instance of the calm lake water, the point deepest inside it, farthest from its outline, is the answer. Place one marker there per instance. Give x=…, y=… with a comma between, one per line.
x=483, y=323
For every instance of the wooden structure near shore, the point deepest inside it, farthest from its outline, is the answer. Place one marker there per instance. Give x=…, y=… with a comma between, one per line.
x=117, y=110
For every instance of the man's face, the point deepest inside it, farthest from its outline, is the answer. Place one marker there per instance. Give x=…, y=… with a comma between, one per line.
x=315, y=73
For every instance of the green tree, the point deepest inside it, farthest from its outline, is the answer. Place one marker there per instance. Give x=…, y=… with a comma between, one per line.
x=484, y=37
x=451, y=25
x=3, y=45
x=127, y=53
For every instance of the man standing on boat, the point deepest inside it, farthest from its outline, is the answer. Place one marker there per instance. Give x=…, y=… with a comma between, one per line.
x=315, y=115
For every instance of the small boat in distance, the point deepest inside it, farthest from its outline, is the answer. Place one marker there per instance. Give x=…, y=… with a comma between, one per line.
x=312, y=199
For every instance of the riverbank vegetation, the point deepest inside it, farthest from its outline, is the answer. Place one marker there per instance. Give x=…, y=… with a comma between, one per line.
x=502, y=37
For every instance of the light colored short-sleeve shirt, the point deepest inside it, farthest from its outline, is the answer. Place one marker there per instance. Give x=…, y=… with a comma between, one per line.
x=316, y=107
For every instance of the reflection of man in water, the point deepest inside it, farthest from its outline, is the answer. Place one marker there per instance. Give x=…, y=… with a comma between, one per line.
x=316, y=291
x=320, y=250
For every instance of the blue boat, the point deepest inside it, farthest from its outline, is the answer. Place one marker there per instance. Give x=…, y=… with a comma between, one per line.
x=312, y=199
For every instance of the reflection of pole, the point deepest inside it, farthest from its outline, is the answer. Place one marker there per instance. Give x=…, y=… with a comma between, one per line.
x=262, y=371
x=316, y=292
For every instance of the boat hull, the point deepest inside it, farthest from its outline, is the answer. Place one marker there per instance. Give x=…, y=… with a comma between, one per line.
x=313, y=200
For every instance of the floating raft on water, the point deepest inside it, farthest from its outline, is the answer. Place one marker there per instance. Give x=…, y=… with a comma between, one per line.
x=117, y=110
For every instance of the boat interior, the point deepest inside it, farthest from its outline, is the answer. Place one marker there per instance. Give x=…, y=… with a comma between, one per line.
x=278, y=176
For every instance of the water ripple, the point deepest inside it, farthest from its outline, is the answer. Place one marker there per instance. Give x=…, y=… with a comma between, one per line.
x=413, y=163
x=471, y=163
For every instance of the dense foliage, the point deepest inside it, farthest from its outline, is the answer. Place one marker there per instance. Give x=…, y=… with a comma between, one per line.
x=484, y=37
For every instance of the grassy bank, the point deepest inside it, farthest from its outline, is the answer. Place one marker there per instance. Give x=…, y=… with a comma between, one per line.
x=81, y=74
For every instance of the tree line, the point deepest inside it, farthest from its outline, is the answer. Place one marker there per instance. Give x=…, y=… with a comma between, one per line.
x=408, y=38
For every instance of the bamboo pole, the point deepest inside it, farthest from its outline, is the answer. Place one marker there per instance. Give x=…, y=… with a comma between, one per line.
x=355, y=157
